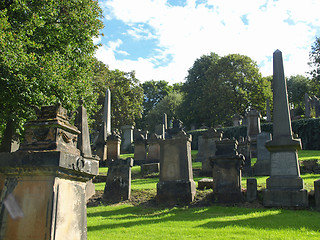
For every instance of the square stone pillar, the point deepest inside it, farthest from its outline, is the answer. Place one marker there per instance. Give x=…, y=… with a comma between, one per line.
x=153, y=149
x=253, y=129
x=113, y=144
x=126, y=138
x=140, y=149
x=226, y=172
x=262, y=166
x=176, y=183
x=42, y=190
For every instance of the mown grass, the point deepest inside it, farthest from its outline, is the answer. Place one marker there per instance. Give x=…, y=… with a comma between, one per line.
x=214, y=222
x=125, y=221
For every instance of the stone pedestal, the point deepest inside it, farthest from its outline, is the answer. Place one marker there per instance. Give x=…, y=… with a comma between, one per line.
x=207, y=149
x=43, y=183
x=118, y=183
x=253, y=129
x=251, y=189
x=149, y=168
x=262, y=166
x=153, y=149
x=176, y=183
x=113, y=144
x=140, y=152
x=226, y=172
x=127, y=138
x=285, y=186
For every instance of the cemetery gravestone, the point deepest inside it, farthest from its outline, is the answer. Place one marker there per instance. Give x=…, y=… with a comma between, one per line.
x=262, y=166
x=226, y=172
x=251, y=189
x=284, y=186
x=317, y=194
x=113, y=142
x=307, y=105
x=140, y=149
x=176, y=183
x=253, y=129
x=43, y=183
x=118, y=183
x=127, y=138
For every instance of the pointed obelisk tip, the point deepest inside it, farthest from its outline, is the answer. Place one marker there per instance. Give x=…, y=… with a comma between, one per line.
x=277, y=52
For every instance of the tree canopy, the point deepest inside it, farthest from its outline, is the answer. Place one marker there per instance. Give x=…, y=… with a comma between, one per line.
x=219, y=87
x=126, y=95
x=46, y=55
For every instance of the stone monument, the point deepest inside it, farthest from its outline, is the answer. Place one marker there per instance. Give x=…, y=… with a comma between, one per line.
x=307, y=105
x=253, y=129
x=114, y=141
x=42, y=185
x=262, y=166
x=284, y=186
x=176, y=183
x=127, y=138
x=118, y=183
x=207, y=149
x=226, y=172
x=140, y=148
x=268, y=111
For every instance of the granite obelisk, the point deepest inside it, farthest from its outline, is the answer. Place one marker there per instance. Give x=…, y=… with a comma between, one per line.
x=284, y=186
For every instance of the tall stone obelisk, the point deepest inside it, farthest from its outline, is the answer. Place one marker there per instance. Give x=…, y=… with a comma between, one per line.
x=105, y=131
x=284, y=186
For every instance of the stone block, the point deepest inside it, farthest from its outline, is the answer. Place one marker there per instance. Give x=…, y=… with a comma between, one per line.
x=149, y=168
x=263, y=164
x=205, y=183
x=251, y=189
x=285, y=198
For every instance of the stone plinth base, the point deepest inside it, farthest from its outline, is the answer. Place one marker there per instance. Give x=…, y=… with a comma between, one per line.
x=285, y=198
x=149, y=168
x=173, y=192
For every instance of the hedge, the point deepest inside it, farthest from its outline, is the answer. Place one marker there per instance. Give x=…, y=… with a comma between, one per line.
x=308, y=131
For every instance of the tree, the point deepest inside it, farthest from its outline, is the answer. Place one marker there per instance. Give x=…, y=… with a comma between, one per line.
x=315, y=63
x=227, y=86
x=126, y=95
x=46, y=55
x=170, y=105
x=298, y=86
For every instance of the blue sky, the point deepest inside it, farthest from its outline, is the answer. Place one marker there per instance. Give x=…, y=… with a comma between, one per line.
x=161, y=39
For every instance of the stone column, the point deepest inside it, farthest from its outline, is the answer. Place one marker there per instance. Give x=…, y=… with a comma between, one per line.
x=285, y=186
x=154, y=149
x=42, y=185
x=176, y=183
x=140, y=149
x=253, y=129
x=226, y=172
x=262, y=166
x=113, y=142
x=127, y=138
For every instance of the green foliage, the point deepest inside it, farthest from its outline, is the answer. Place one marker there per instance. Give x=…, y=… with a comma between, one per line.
x=219, y=87
x=315, y=63
x=297, y=87
x=46, y=55
x=126, y=95
x=170, y=105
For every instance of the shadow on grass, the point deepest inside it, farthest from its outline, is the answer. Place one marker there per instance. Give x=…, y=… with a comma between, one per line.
x=219, y=217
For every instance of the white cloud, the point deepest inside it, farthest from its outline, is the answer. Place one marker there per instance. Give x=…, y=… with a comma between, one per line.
x=186, y=33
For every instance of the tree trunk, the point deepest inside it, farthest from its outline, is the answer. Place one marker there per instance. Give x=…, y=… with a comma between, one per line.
x=7, y=137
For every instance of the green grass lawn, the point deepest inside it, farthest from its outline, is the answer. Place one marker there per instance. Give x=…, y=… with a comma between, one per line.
x=215, y=222
x=123, y=221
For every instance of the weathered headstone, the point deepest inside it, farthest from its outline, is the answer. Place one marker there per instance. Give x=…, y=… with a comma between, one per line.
x=263, y=164
x=160, y=130
x=244, y=149
x=253, y=129
x=205, y=183
x=118, y=183
x=284, y=186
x=307, y=105
x=176, y=183
x=140, y=149
x=317, y=194
x=43, y=183
x=226, y=172
x=154, y=148
x=126, y=138
x=207, y=149
x=236, y=120
x=251, y=189
x=149, y=168
x=165, y=121
x=113, y=142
